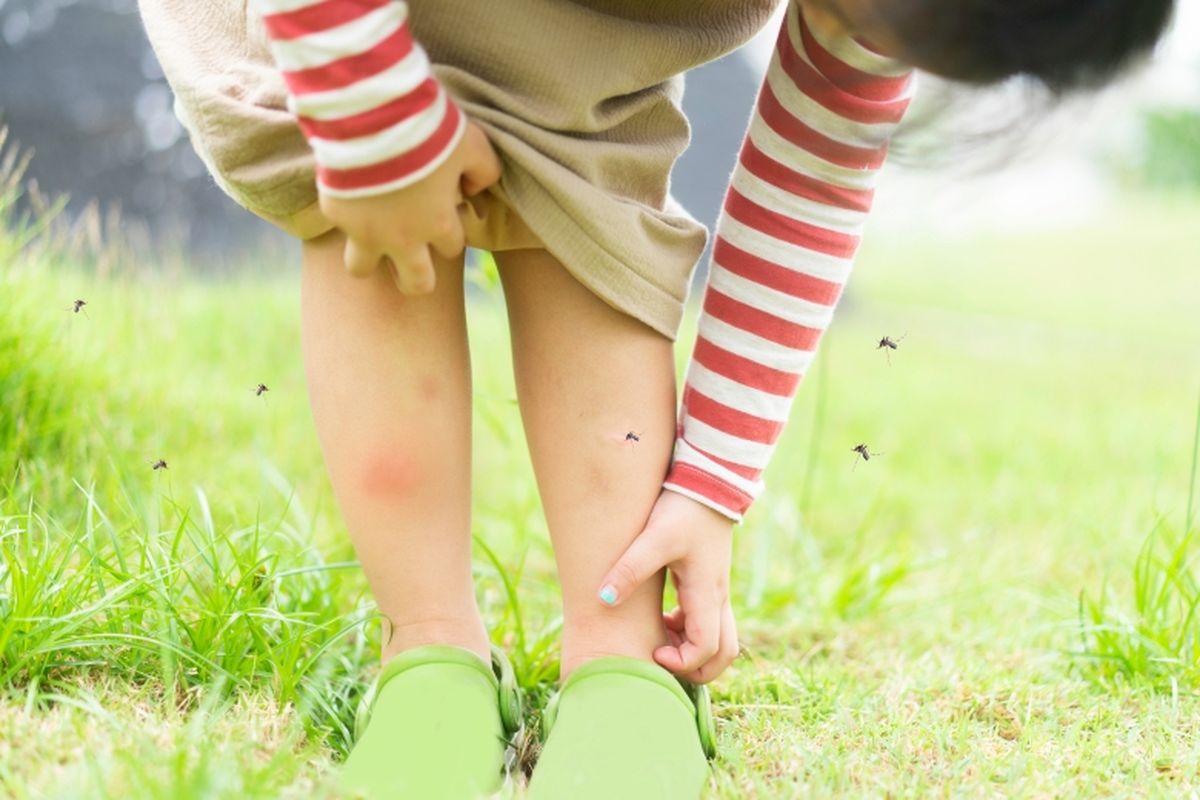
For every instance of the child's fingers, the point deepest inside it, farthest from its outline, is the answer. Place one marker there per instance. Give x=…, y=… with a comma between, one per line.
x=481, y=166
x=726, y=653
x=361, y=261
x=645, y=556
x=730, y=648
x=702, y=629
x=451, y=241
x=673, y=623
x=414, y=270
x=673, y=620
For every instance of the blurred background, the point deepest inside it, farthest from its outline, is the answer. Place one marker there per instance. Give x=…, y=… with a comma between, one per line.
x=80, y=86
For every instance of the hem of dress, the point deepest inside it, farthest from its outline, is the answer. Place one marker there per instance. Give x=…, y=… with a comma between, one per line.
x=602, y=272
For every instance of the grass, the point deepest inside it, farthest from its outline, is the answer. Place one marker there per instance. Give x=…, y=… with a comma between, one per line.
x=1156, y=641
x=979, y=611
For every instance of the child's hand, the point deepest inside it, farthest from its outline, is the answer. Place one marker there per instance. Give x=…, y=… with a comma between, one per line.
x=695, y=543
x=403, y=225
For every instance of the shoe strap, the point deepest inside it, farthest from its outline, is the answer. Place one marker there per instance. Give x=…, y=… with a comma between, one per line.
x=705, y=725
x=509, y=693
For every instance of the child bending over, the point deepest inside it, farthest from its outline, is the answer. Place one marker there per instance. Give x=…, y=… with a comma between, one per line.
x=389, y=135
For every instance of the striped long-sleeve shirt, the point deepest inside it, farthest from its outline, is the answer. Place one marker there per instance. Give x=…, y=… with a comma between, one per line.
x=362, y=91
x=791, y=223
x=377, y=120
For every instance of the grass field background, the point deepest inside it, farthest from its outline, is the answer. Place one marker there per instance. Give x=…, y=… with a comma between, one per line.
x=999, y=605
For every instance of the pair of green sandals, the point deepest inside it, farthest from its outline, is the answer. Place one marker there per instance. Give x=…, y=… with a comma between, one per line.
x=437, y=721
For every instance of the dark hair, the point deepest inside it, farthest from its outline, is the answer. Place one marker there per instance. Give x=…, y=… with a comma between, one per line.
x=1064, y=44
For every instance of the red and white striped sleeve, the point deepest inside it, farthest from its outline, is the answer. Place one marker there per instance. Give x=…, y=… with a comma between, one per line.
x=362, y=91
x=791, y=223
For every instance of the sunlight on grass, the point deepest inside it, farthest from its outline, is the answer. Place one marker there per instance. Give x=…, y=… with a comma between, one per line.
x=926, y=623
x=180, y=603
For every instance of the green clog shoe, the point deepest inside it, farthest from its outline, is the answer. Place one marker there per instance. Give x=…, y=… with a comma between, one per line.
x=625, y=728
x=434, y=725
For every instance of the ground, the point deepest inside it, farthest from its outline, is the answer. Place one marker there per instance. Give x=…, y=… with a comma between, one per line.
x=930, y=622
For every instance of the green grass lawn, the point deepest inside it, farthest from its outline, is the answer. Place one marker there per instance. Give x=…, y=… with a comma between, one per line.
x=912, y=625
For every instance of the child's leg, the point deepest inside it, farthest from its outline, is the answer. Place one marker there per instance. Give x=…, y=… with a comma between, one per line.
x=390, y=386
x=587, y=376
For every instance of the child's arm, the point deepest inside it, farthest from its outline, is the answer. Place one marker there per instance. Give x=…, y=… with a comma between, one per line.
x=791, y=224
x=389, y=142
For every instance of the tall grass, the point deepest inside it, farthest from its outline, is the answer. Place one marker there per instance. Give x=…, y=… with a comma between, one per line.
x=181, y=603
x=105, y=575
x=1155, y=641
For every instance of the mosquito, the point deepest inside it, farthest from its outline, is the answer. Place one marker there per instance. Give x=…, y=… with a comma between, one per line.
x=258, y=390
x=160, y=464
x=77, y=306
x=891, y=344
x=629, y=440
x=865, y=452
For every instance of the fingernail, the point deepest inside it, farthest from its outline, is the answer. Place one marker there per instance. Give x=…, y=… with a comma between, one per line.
x=608, y=594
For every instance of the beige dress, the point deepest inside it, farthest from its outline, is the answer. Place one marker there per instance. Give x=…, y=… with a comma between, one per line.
x=580, y=98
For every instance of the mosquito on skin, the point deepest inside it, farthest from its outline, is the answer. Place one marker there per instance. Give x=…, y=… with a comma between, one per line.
x=629, y=438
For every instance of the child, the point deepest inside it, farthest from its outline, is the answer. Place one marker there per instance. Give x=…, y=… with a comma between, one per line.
x=545, y=130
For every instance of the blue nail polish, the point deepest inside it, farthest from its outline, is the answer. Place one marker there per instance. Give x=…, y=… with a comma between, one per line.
x=608, y=594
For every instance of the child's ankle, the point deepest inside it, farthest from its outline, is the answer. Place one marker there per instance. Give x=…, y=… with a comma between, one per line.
x=585, y=641
x=468, y=634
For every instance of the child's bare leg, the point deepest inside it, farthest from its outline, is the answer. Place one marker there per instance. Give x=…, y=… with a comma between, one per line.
x=587, y=376
x=390, y=386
